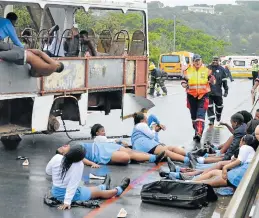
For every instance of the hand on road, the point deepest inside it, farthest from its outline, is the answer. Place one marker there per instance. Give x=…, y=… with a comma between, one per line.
x=95, y=166
x=64, y=207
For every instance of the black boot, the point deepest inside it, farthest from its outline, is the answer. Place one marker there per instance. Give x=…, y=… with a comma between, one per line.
x=197, y=138
x=107, y=182
x=159, y=157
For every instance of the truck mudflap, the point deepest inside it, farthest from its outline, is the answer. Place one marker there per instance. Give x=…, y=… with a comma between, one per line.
x=133, y=104
x=41, y=111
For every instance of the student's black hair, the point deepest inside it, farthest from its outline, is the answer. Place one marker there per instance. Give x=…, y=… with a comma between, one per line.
x=12, y=16
x=238, y=118
x=83, y=32
x=60, y=68
x=75, y=154
x=95, y=128
x=246, y=115
x=249, y=139
x=138, y=117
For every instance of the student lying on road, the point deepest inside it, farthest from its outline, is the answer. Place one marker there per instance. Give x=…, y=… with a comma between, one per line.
x=105, y=152
x=41, y=64
x=67, y=171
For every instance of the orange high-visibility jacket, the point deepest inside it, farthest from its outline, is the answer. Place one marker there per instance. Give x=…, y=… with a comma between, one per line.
x=198, y=81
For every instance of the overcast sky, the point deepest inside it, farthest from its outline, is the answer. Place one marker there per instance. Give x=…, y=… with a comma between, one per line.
x=191, y=2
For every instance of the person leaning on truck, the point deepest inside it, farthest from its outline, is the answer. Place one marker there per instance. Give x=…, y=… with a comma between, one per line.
x=7, y=29
x=196, y=81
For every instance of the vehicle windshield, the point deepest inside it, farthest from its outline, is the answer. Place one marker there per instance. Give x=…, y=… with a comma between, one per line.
x=187, y=59
x=170, y=59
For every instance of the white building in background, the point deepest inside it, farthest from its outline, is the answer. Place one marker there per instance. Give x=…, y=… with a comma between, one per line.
x=208, y=9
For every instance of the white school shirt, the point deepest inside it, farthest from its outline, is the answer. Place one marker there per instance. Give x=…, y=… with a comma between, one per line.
x=71, y=180
x=246, y=154
x=103, y=139
x=144, y=128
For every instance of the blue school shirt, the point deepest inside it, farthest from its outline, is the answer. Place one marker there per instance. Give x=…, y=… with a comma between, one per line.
x=7, y=30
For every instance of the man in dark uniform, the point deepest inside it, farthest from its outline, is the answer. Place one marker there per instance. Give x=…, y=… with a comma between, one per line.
x=156, y=78
x=215, y=96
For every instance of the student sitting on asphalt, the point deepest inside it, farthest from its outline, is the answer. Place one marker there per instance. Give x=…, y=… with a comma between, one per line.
x=231, y=174
x=239, y=127
x=67, y=171
x=143, y=139
x=104, y=151
x=152, y=119
x=238, y=165
x=200, y=169
x=41, y=64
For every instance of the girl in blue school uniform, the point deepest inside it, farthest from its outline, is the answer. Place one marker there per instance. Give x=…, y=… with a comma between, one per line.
x=232, y=174
x=105, y=151
x=143, y=139
x=67, y=171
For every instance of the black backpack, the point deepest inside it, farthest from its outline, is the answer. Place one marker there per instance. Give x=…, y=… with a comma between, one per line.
x=177, y=193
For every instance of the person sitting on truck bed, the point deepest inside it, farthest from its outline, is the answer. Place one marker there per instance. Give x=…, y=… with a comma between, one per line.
x=104, y=151
x=87, y=46
x=71, y=44
x=41, y=64
x=7, y=28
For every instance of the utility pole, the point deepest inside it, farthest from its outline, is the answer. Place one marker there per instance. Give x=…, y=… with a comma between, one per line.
x=174, y=33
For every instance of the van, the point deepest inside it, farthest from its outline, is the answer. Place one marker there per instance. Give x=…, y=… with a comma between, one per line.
x=239, y=66
x=188, y=57
x=173, y=64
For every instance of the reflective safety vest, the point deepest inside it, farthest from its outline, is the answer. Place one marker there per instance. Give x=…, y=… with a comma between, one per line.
x=198, y=81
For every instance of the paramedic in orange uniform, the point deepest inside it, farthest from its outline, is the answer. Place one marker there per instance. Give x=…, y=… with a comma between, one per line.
x=196, y=81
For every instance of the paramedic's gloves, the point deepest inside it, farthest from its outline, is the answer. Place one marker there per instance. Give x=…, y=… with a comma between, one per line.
x=225, y=94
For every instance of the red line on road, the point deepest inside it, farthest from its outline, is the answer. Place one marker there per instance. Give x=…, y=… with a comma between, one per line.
x=132, y=185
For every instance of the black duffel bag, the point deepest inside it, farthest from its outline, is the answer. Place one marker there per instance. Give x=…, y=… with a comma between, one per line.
x=178, y=194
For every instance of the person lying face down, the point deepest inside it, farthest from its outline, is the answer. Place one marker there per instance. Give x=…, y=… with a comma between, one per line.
x=67, y=172
x=41, y=64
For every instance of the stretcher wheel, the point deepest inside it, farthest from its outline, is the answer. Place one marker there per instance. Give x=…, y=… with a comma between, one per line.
x=11, y=142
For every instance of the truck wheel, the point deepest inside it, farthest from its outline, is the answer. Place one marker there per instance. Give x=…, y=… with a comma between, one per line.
x=11, y=142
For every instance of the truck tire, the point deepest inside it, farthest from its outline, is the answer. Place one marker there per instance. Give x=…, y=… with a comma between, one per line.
x=11, y=142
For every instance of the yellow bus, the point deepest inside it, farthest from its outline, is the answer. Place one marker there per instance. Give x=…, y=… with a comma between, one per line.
x=175, y=63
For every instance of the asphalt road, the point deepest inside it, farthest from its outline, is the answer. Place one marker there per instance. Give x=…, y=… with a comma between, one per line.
x=22, y=188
